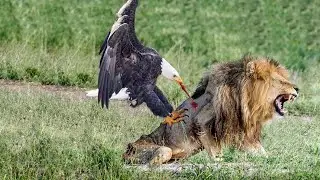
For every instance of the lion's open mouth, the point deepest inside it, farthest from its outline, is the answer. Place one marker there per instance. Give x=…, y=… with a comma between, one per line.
x=280, y=100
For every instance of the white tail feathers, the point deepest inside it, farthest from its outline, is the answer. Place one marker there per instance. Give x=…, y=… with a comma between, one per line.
x=92, y=93
x=122, y=95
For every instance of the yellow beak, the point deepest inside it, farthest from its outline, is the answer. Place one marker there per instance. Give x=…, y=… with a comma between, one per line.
x=178, y=79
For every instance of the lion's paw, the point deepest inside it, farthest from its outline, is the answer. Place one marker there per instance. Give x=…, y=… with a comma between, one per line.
x=161, y=155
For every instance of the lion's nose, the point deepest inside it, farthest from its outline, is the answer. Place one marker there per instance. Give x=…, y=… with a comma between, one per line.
x=297, y=89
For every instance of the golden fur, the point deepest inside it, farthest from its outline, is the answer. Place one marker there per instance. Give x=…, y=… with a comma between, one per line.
x=243, y=103
x=235, y=99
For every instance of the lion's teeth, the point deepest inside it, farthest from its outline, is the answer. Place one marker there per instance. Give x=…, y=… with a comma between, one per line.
x=292, y=97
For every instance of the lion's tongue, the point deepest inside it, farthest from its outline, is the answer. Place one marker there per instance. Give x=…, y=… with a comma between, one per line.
x=193, y=104
x=280, y=102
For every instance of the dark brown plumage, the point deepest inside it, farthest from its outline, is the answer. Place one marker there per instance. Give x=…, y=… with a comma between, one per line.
x=126, y=63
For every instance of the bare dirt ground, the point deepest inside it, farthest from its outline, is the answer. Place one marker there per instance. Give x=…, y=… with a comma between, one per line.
x=74, y=93
x=65, y=92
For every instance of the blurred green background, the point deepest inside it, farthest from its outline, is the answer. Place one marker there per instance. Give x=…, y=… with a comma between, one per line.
x=56, y=42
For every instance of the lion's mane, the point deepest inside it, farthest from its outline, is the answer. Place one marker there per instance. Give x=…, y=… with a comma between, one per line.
x=239, y=108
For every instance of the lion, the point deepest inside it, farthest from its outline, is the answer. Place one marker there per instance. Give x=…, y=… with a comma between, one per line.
x=235, y=99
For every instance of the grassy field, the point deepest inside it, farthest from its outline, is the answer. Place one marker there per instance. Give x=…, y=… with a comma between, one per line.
x=46, y=134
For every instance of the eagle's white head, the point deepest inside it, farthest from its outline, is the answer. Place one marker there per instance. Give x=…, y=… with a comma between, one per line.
x=170, y=72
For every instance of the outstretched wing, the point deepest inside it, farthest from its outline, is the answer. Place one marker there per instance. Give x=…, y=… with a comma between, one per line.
x=118, y=52
x=109, y=80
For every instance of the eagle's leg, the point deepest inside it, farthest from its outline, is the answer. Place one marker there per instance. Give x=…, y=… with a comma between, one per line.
x=163, y=98
x=158, y=108
x=135, y=100
x=175, y=116
x=154, y=103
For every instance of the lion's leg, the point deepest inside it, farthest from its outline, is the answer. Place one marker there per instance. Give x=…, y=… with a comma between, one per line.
x=139, y=154
x=252, y=144
x=144, y=150
x=161, y=155
x=181, y=152
x=254, y=148
x=259, y=149
x=204, y=134
x=212, y=147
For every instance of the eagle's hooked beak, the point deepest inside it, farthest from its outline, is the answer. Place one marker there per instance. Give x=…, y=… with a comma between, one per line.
x=178, y=79
x=183, y=87
x=180, y=82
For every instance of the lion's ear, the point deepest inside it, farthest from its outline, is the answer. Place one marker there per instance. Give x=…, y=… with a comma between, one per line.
x=257, y=70
x=251, y=70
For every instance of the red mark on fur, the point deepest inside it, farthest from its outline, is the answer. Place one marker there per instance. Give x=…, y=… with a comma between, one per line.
x=193, y=104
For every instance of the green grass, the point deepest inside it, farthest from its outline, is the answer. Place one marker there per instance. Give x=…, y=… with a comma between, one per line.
x=56, y=42
x=53, y=136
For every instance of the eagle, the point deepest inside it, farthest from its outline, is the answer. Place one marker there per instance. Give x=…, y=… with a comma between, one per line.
x=126, y=63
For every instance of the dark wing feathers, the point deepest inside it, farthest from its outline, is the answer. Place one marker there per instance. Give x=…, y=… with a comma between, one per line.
x=117, y=83
x=127, y=15
x=104, y=44
x=116, y=51
x=109, y=78
x=121, y=51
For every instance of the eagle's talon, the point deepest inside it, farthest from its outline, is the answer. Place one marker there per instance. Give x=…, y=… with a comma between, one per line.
x=179, y=120
x=181, y=111
x=174, y=117
x=133, y=102
x=132, y=105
